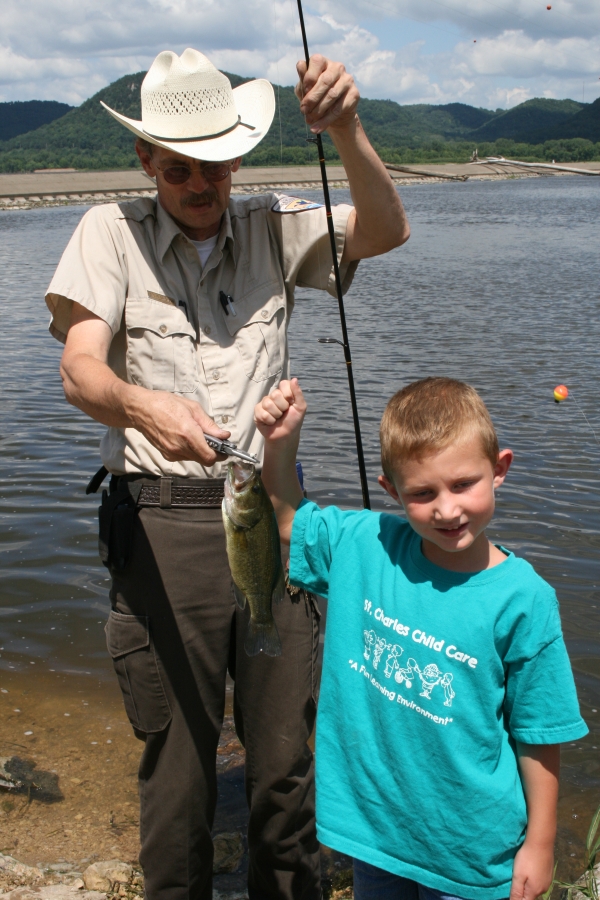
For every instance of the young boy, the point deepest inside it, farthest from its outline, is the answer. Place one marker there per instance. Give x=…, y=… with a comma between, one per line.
x=446, y=686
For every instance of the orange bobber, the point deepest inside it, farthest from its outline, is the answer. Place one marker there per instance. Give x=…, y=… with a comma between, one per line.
x=561, y=392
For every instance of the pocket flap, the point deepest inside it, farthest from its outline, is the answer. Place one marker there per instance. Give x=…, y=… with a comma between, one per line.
x=260, y=305
x=160, y=318
x=124, y=634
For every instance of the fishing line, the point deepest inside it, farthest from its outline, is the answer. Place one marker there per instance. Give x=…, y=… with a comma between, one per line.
x=278, y=40
x=535, y=387
x=338, y=285
x=307, y=135
x=280, y=128
x=308, y=139
x=582, y=411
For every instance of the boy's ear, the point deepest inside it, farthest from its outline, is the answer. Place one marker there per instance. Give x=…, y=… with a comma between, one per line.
x=388, y=486
x=505, y=458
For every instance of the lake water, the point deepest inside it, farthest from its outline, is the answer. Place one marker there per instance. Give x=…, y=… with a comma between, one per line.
x=498, y=285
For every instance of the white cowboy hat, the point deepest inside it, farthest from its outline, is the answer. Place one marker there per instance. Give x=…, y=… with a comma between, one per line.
x=190, y=107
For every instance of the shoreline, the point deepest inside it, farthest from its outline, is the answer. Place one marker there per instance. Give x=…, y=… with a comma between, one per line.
x=49, y=189
x=70, y=753
x=69, y=795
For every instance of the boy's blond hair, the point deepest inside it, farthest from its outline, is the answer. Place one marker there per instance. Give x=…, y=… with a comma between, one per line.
x=426, y=416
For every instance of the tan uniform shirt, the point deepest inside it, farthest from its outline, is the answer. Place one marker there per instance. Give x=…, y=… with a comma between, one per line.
x=130, y=264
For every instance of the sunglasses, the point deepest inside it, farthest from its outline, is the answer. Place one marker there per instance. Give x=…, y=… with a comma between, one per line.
x=213, y=172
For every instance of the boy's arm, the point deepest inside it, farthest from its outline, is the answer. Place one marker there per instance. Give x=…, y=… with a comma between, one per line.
x=279, y=419
x=539, y=765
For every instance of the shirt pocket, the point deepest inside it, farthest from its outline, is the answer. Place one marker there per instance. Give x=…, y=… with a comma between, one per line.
x=259, y=330
x=161, y=347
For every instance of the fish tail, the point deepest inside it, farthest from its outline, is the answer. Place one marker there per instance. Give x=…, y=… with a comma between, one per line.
x=262, y=637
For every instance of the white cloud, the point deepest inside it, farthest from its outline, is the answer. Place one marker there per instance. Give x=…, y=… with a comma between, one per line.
x=383, y=75
x=509, y=97
x=494, y=53
x=515, y=53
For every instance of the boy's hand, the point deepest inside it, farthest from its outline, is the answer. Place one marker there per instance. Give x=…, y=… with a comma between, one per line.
x=539, y=765
x=279, y=416
x=532, y=872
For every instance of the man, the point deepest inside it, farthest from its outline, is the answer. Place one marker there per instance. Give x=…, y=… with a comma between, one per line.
x=174, y=314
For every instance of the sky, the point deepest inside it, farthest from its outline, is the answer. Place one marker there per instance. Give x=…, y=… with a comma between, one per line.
x=489, y=53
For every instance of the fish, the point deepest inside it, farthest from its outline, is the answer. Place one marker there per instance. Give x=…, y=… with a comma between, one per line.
x=254, y=553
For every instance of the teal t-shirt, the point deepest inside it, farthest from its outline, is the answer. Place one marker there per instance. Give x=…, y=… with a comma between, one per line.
x=429, y=678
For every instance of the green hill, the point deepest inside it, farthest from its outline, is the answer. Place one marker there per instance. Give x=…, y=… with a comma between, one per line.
x=87, y=137
x=468, y=116
x=388, y=123
x=529, y=121
x=21, y=116
x=584, y=124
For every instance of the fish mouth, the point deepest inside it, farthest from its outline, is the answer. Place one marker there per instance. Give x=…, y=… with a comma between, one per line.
x=239, y=474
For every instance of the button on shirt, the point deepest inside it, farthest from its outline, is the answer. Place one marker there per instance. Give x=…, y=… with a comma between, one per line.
x=131, y=265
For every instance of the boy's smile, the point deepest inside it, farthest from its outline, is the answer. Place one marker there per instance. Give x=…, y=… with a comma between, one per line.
x=448, y=496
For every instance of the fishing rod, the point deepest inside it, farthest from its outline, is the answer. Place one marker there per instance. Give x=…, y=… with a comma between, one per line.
x=338, y=286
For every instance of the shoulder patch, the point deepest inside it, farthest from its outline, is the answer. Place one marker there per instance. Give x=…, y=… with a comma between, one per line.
x=286, y=204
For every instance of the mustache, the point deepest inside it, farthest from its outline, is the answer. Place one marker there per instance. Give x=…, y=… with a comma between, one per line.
x=197, y=199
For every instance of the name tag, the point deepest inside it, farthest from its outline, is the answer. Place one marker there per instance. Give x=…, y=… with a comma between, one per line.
x=161, y=298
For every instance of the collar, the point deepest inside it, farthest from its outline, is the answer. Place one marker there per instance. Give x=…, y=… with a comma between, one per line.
x=226, y=236
x=168, y=230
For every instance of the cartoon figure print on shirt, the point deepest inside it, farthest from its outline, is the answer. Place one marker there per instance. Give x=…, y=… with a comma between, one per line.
x=430, y=676
x=379, y=653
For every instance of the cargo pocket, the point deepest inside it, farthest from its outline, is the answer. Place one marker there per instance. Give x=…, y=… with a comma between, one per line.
x=259, y=331
x=134, y=659
x=161, y=347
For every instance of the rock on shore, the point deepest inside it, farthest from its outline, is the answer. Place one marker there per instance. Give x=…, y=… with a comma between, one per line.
x=111, y=879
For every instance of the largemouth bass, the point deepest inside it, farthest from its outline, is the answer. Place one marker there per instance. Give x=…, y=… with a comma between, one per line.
x=254, y=555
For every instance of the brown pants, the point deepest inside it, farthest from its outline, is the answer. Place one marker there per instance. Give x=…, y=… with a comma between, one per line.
x=174, y=631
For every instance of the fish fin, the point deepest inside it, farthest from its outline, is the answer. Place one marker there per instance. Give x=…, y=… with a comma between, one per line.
x=239, y=596
x=262, y=638
x=279, y=589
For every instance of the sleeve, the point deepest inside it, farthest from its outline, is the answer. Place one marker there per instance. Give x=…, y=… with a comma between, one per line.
x=541, y=705
x=306, y=248
x=315, y=536
x=92, y=272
